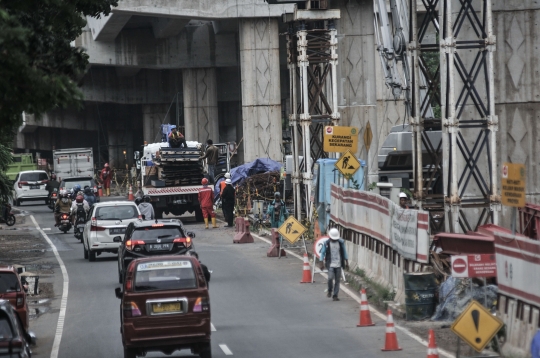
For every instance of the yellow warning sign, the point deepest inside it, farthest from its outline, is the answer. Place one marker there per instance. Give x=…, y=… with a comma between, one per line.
x=348, y=164
x=513, y=185
x=476, y=326
x=292, y=229
x=340, y=139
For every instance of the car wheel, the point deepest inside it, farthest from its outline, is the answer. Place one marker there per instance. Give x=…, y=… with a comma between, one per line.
x=130, y=353
x=120, y=278
x=206, y=352
x=91, y=255
x=85, y=252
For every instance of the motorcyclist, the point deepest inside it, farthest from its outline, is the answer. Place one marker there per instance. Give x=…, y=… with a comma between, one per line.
x=147, y=209
x=138, y=200
x=79, y=201
x=74, y=191
x=52, y=184
x=63, y=205
x=89, y=195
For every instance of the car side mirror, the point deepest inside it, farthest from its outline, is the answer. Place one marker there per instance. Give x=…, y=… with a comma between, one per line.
x=31, y=336
x=117, y=239
x=191, y=234
x=118, y=292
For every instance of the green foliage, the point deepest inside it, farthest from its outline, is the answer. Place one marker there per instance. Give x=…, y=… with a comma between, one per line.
x=432, y=61
x=39, y=69
x=372, y=186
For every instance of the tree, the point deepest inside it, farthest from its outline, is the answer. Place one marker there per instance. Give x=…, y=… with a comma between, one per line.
x=39, y=69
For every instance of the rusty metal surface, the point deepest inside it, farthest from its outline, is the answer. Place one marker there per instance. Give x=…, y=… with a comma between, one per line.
x=463, y=244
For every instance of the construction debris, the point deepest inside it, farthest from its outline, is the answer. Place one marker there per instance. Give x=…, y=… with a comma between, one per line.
x=258, y=187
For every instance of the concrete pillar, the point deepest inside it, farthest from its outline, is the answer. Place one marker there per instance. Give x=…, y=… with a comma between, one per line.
x=200, y=104
x=261, y=102
x=153, y=116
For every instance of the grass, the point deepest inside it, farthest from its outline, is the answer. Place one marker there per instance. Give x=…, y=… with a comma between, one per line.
x=376, y=292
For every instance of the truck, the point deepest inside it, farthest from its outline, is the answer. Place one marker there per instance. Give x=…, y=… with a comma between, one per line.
x=73, y=162
x=172, y=177
x=21, y=162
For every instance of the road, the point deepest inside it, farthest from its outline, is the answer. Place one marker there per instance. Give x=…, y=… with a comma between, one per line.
x=259, y=308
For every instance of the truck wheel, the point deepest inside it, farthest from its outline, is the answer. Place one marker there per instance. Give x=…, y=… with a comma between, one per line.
x=206, y=352
x=130, y=353
x=198, y=215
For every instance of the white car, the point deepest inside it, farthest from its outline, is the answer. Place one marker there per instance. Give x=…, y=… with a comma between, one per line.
x=30, y=185
x=105, y=229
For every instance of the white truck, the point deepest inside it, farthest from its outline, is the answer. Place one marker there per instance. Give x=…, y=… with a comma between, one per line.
x=172, y=178
x=73, y=162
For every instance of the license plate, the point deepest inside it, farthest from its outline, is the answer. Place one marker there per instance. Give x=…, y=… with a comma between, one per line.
x=117, y=231
x=166, y=307
x=159, y=247
x=34, y=186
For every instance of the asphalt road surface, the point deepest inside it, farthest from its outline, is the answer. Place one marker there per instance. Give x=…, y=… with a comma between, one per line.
x=259, y=308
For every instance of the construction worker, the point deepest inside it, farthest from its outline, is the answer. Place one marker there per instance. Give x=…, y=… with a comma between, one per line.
x=334, y=257
x=206, y=199
x=277, y=211
x=211, y=156
x=223, y=184
x=403, y=198
x=227, y=198
x=105, y=177
x=176, y=139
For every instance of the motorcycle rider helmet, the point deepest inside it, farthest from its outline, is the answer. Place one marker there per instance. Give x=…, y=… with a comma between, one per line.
x=146, y=199
x=204, y=181
x=79, y=199
x=138, y=200
x=76, y=188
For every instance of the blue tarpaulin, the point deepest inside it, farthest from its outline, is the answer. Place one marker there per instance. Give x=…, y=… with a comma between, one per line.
x=240, y=173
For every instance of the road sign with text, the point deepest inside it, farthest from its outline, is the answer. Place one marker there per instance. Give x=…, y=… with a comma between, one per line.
x=476, y=326
x=291, y=229
x=348, y=164
x=482, y=265
x=513, y=185
x=340, y=139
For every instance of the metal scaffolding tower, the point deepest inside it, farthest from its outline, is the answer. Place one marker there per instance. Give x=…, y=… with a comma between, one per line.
x=312, y=60
x=469, y=122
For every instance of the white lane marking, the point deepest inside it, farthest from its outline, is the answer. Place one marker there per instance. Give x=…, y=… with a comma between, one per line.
x=225, y=349
x=374, y=311
x=63, y=302
x=46, y=229
x=212, y=328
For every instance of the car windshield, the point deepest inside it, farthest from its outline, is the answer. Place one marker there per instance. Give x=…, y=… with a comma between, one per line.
x=70, y=183
x=9, y=282
x=117, y=212
x=33, y=176
x=155, y=233
x=165, y=275
x=6, y=332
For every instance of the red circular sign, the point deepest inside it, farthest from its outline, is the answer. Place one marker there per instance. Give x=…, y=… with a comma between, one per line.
x=459, y=265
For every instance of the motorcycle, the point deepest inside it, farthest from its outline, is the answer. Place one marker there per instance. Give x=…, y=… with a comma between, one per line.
x=80, y=222
x=65, y=222
x=52, y=199
x=9, y=218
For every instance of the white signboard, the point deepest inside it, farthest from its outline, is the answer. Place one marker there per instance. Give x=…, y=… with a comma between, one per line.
x=405, y=232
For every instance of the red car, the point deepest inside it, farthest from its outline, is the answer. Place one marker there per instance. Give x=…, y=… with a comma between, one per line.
x=12, y=290
x=165, y=307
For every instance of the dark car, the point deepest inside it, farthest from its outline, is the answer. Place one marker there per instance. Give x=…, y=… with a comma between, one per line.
x=15, y=341
x=12, y=290
x=145, y=238
x=165, y=306
x=69, y=183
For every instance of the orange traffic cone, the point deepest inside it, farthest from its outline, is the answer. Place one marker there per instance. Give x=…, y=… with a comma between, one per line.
x=130, y=194
x=365, y=315
x=306, y=276
x=432, y=351
x=391, y=343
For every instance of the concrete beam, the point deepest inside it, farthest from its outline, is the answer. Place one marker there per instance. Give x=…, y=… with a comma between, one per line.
x=106, y=28
x=166, y=27
x=203, y=9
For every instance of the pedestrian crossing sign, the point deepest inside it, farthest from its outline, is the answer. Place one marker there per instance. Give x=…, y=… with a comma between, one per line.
x=291, y=229
x=348, y=164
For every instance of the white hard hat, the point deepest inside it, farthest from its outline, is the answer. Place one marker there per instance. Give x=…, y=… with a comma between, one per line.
x=403, y=195
x=227, y=175
x=333, y=233
x=228, y=181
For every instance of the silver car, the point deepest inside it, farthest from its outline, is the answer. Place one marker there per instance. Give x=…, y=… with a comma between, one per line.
x=30, y=185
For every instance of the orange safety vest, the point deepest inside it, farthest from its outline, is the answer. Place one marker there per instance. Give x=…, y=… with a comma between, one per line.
x=222, y=186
